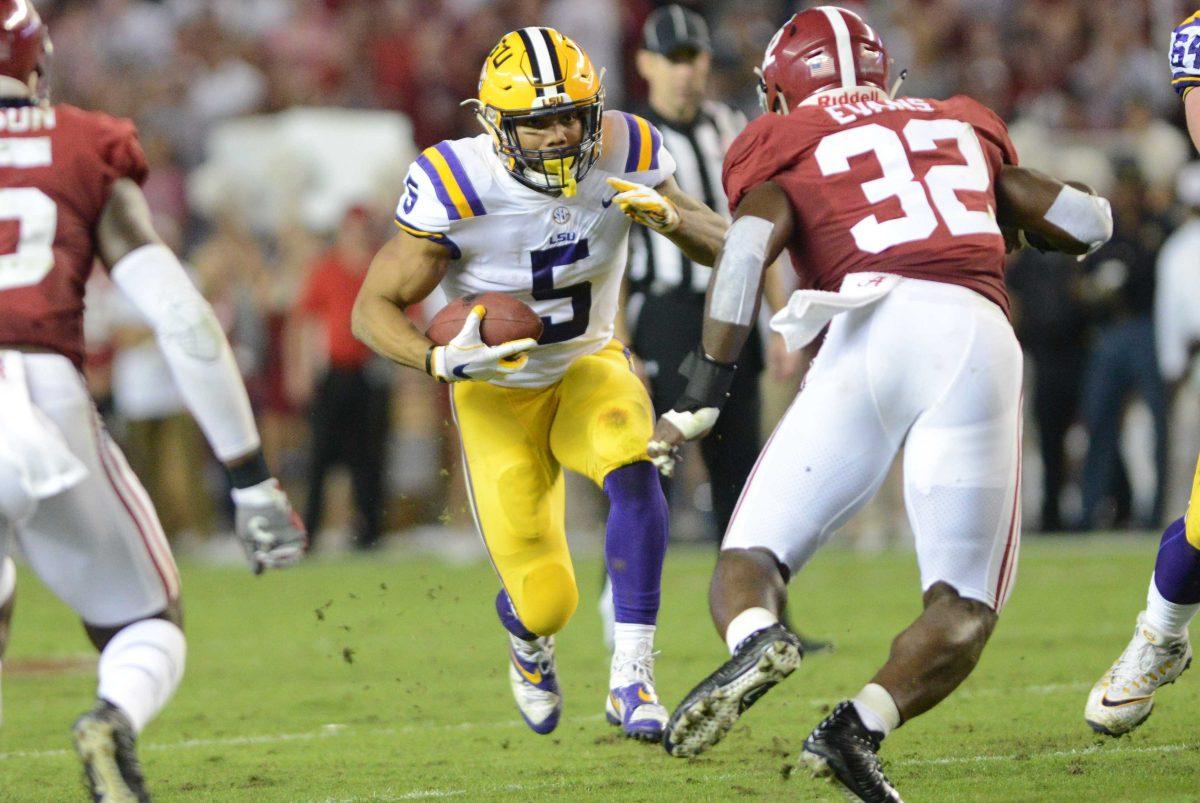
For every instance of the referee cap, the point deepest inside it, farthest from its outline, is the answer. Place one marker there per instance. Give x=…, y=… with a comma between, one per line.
x=673, y=28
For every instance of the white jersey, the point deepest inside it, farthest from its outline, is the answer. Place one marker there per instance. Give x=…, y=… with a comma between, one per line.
x=564, y=257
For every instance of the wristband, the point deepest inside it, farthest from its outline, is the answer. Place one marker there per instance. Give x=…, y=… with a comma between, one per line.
x=250, y=471
x=708, y=382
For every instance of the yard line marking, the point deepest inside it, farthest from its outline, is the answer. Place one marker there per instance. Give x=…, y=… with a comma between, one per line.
x=326, y=731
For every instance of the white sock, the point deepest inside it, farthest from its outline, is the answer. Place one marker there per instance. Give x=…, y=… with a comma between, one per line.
x=877, y=709
x=141, y=668
x=746, y=623
x=629, y=640
x=1168, y=618
x=8, y=579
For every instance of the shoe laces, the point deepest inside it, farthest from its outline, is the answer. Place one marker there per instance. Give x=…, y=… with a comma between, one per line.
x=1142, y=660
x=636, y=665
x=540, y=652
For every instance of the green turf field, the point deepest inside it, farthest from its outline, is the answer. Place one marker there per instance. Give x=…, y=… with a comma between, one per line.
x=350, y=679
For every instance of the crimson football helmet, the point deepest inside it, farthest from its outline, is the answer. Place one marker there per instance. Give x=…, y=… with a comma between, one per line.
x=24, y=41
x=823, y=55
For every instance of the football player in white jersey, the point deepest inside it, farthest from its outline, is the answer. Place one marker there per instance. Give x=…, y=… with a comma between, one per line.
x=540, y=206
x=1160, y=651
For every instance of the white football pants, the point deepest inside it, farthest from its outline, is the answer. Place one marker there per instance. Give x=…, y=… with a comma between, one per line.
x=934, y=368
x=97, y=545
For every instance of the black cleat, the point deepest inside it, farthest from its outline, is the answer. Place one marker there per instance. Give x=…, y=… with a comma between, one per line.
x=104, y=741
x=708, y=712
x=842, y=747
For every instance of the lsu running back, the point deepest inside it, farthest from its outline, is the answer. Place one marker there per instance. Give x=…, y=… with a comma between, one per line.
x=539, y=207
x=526, y=223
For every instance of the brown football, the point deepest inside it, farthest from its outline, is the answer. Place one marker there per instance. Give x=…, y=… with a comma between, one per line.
x=507, y=319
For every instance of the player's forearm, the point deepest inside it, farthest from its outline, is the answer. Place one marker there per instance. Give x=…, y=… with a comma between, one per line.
x=383, y=326
x=194, y=347
x=1191, y=108
x=699, y=234
x=722, y=341
x=775, y=294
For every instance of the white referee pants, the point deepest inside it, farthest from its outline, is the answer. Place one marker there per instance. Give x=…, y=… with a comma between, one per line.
x=98, y=544
x=934, y=368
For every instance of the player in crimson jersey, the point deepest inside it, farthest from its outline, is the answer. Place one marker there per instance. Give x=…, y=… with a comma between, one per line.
x=69, y=193
x=894, y=212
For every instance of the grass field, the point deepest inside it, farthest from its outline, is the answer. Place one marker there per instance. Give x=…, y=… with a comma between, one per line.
x=353, y=679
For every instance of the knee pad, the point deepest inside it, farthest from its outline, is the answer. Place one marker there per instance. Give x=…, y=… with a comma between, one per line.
x=620, y=430
x=548, y=597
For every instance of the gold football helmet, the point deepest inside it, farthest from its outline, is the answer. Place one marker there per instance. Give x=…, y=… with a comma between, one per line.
x=538, y=72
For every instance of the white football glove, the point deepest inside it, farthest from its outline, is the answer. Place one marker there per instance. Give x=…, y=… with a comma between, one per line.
x=645, y=205
x=270, y=531
x=467, y=357
x=684, y=426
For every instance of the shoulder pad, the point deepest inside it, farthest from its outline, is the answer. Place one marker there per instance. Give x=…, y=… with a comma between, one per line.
x=637, y=148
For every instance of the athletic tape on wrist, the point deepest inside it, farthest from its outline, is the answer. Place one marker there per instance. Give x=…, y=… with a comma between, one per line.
x=1086, y=217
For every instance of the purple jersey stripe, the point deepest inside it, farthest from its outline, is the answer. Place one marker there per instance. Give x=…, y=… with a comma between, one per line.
x=460, y=175
x=438, y=186
x=635, y=143
x=655, y=142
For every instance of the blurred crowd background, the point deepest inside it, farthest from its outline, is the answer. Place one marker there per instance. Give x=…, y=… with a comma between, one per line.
x=278, y=132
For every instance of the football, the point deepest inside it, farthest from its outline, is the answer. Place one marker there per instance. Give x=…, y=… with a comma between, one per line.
x=507, y=319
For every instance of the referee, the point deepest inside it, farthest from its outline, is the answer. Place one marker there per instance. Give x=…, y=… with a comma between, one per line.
x=665, y=308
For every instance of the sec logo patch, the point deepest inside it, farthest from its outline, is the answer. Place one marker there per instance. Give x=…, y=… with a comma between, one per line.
x=560, y=215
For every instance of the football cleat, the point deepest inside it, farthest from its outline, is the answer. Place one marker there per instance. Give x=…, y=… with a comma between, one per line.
x=764, y=658
x=632, y=702
x=1124, y=696
x=534, y=681
x=104, y=740
x=842, y=749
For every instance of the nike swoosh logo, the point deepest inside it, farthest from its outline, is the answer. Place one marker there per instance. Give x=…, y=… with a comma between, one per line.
x=533, y=677
x=607, y=202
x=461, y=372
x=1107, y=703
x=646, y=698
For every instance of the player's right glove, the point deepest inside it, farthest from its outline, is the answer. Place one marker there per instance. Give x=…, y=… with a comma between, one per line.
x=468, y=357
x=1185, y=55
x=270, y=531
x=695, y=412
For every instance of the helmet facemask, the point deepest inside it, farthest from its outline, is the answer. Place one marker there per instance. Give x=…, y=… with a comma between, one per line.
x=552, y=171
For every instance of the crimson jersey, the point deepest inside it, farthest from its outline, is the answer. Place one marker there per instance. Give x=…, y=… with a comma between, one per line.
x=904, y=186
x=57, y=166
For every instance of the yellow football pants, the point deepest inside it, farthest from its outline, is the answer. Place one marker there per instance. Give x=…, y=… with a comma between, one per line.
x=1191, y=521
x=516, y=441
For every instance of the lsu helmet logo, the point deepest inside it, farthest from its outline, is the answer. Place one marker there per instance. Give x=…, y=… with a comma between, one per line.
x=530, y=75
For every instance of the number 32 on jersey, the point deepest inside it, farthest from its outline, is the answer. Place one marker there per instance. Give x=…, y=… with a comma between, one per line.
x=917, y=198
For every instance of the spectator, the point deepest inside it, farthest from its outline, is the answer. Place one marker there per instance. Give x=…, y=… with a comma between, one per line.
x=1121, y=286
x=1051, y=323
x=349, y=403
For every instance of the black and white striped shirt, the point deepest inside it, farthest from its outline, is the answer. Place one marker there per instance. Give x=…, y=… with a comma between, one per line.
x=656, y=265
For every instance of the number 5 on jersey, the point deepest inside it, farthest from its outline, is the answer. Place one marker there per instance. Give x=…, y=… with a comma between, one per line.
x=940, y=183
